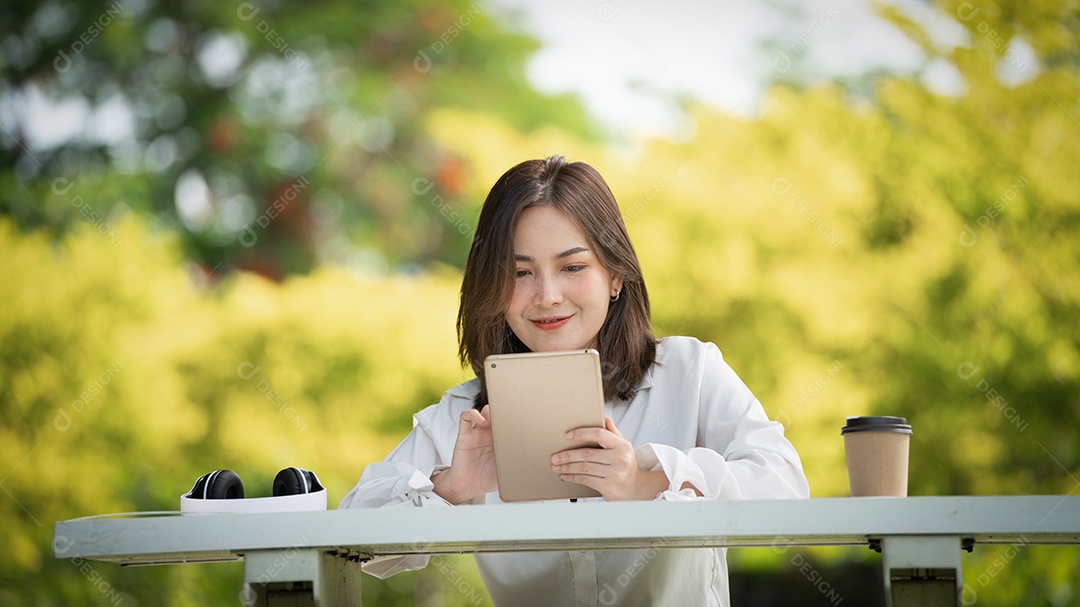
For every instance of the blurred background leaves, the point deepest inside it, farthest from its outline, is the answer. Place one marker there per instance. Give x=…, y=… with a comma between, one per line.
x=245, y=248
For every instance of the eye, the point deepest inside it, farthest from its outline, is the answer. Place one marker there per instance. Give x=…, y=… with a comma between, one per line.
x=521, y=273
x=575, y=267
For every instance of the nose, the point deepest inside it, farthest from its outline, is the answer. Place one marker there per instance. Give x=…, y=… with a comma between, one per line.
x=548, y=292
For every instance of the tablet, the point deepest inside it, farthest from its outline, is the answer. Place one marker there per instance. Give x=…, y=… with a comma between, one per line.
x=535, y=399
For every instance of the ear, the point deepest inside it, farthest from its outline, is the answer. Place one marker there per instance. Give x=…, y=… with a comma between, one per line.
x=616, y=285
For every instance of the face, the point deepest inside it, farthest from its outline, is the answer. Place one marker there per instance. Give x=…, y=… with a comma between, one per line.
x=561, y=291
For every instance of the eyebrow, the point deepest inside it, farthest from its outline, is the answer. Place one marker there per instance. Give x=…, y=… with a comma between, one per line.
x=566, y=253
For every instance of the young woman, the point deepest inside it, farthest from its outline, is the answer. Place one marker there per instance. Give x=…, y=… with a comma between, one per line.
x=552, y=268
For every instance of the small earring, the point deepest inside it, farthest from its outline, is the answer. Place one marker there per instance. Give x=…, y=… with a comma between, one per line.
x=616, y=297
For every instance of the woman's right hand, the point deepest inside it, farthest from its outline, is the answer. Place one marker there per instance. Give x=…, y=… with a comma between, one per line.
x=472, y=472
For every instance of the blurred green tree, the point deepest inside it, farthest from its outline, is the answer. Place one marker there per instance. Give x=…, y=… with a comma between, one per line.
x=270, y=135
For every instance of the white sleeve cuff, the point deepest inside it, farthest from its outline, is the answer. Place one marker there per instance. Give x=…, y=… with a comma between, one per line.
x=383, y=567
x=416, y=490
x=688, y=468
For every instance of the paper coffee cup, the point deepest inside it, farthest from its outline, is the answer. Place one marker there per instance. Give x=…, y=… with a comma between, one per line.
x=877, y=455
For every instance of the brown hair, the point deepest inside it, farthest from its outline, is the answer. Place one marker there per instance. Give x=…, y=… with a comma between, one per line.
x=627, y=345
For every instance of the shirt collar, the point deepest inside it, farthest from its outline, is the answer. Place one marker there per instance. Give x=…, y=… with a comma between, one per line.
x=471, y=388
x=467, y=390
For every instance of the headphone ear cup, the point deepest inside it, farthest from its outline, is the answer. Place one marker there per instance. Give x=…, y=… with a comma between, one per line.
x=225, y=485
x=296, y=481
x=218, y=485
x=290, y=481
x=313, y=482
x=200, y=486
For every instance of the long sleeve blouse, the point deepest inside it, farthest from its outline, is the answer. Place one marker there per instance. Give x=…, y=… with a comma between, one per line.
x=691, y=417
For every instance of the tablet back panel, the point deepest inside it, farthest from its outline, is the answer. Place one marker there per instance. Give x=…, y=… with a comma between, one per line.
x=535, y=399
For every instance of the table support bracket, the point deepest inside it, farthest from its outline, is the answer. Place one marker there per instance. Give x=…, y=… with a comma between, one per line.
x=922, y=570
x=300, y=577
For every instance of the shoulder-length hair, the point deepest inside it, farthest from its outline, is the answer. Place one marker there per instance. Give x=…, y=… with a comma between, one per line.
x=627, y=344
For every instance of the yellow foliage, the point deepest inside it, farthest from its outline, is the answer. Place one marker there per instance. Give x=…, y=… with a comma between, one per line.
x=913, y=256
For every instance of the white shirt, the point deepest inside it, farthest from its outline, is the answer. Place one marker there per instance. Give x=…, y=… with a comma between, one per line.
x=691, y=417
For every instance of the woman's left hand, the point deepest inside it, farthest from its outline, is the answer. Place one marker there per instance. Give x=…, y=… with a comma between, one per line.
x=611, y=469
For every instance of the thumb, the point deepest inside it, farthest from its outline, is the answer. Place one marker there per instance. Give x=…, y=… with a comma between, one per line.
x=472, y=418
x=610, y=425
x=469, y=419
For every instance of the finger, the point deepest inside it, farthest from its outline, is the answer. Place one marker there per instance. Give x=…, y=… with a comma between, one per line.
x=485, y=417
x=593, y=469
x=587, y=454
x=610, y=425
x=589, y=481
x=601, y=436
x=471, y=419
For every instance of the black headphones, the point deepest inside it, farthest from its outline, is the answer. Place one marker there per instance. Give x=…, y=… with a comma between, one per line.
x=226, y=484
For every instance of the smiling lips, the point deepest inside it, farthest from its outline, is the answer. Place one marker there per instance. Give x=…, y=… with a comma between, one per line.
x=550, y=323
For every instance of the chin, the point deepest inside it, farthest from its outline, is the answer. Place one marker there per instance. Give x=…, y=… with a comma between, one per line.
x=556, y=345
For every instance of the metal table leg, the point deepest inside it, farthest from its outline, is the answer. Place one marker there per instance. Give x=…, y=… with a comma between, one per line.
x=922, y=570
x=298, y=577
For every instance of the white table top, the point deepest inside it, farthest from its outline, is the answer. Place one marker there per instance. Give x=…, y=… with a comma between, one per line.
x=171, y=538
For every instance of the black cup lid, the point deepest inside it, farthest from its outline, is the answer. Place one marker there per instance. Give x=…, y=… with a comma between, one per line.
x=881, y=423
